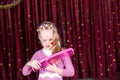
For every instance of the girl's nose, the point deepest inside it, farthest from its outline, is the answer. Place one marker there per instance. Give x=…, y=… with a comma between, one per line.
x=47, y=42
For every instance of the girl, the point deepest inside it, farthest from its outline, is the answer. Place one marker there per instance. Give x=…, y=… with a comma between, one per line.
x=55, y=68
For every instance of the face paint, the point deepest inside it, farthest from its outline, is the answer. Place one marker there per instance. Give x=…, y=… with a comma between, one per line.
x=52, y=42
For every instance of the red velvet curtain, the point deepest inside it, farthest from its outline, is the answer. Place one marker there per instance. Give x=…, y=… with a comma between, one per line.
x=91, y=27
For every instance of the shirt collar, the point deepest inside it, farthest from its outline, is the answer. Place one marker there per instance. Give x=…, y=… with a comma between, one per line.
x=47, y=52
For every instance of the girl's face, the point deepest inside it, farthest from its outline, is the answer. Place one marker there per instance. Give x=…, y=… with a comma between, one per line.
x=47, y=39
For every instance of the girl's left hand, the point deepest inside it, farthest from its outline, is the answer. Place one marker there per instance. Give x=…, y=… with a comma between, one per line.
x=53, y=68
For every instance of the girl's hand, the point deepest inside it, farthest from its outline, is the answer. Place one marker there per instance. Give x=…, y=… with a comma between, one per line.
x=34, y=64
x=53, y=68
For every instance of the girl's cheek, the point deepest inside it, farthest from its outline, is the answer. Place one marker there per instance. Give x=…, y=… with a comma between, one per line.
x=52, y=43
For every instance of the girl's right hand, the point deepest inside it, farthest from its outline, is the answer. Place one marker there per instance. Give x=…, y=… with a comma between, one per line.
x=34, y=64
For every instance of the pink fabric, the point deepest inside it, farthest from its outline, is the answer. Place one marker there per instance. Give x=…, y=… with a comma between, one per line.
x=50, y=78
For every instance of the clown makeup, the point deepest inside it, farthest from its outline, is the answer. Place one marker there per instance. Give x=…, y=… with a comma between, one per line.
x=52, y=43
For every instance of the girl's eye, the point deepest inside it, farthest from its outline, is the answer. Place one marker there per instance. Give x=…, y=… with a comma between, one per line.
x=50, y=39
x=43, y=40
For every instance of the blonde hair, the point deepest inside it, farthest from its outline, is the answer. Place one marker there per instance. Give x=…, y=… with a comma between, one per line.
x=51, y=26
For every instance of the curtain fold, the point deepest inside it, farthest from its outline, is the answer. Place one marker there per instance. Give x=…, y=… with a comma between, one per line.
x=91, y=27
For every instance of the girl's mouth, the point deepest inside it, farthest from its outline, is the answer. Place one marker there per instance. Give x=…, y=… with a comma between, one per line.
x=47, y=46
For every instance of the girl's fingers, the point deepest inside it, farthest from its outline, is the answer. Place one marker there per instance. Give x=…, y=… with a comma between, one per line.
x=36, y=64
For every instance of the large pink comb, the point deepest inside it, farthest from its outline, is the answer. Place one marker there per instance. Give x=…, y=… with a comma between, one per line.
x=68, y=51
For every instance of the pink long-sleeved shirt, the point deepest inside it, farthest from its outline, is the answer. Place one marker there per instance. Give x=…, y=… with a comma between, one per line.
x=64, y=63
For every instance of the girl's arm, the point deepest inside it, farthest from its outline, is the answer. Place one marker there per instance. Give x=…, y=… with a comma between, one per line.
x=68, y=71
x=30, y=65
x=26, y=69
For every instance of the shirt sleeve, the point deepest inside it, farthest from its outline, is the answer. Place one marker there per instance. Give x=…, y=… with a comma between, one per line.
x=68, y=70
x=27, y=69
